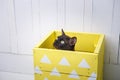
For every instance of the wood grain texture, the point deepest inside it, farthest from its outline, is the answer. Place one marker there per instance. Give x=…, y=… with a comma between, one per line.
x=36, y=21
x=12, y=27
x=115, y=32
x=61, y=13
x=4, y=27
x=102, y=21
x=74, y=15
x=48, y=16
x=87, y=22
x=24, y=25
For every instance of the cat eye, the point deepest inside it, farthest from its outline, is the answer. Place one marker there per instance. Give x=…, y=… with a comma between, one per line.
x=62, y=42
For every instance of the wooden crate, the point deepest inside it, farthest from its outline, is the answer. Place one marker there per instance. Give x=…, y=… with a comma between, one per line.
x=85, y=63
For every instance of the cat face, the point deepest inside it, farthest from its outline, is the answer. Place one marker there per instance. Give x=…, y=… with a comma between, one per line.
x=65, y=42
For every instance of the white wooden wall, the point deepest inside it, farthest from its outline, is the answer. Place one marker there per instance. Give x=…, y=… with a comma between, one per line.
x=23, y=23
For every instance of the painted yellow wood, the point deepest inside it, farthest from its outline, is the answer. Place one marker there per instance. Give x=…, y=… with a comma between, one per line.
x=50, y=76
x=86, y=60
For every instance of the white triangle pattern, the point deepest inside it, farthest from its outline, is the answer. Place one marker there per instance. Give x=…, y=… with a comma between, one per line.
x=45, y=78
x=64, y=62
x=84, y=64
x=74, y=74
x=55, y=72
x=45, y=60
x=91, y=78
x=37, y=70
x=93, y=74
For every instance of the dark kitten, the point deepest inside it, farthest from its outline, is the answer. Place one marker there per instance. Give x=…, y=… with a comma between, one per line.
x=64, y=42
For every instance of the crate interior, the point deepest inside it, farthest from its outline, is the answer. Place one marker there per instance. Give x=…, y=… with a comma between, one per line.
x=86, y=42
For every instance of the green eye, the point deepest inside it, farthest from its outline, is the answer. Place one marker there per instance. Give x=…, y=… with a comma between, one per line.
x=62, y=42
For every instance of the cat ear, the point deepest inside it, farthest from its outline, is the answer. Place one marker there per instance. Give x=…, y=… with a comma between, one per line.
x=72, y=41
x=63, y=33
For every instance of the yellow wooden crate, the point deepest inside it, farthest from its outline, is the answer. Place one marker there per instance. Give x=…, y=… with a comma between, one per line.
x=85, y=63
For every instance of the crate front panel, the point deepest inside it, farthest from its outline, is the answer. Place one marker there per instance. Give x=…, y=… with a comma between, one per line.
x=60, y=76
x=66, y=61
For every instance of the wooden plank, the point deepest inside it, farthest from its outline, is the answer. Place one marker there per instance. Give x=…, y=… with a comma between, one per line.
x=61, y=14
x=115, y=31
x=119, y=50
x=15, y=76
x=101, y=22
x=74, y=15
x=36, y=20
x=16, y=63
x=4, y=27
x=87, y=16
x=23, y=13
x=12, y=27
x=48, y=16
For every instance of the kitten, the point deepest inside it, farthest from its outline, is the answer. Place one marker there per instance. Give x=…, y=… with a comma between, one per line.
x=64, y=42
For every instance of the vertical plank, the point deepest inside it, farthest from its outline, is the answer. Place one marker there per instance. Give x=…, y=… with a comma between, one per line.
x=36, y=20
x=12, y=27
x=87, y=15
x=115, y=31
x=101, y=22
x=23, y=13
x=4, y=27
x=61, y=14
x=119, y=50
x=74, y=14
x=48, y=16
